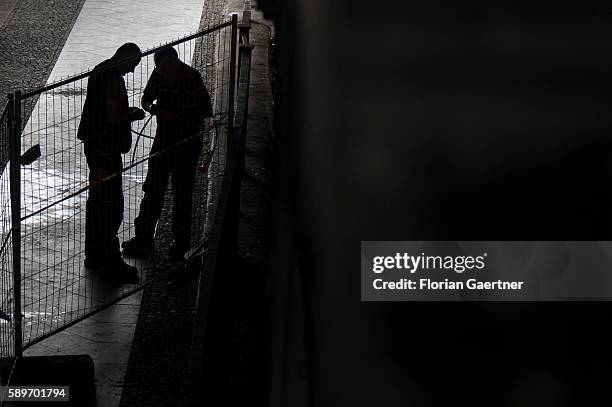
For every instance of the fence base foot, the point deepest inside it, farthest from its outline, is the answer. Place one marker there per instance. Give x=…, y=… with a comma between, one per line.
x=76, y=371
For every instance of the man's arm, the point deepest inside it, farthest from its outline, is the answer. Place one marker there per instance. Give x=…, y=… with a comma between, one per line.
x=114, y=103
x=151, y=93
x=118, y=118
x=119, y=111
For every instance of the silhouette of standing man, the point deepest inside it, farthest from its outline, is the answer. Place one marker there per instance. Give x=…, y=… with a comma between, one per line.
x=182, y=105
x=105, y=132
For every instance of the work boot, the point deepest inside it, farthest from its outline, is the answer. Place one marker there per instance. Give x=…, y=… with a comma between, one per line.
x=137, y=247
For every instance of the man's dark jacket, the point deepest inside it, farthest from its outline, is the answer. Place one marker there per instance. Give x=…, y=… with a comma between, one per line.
x=105, y=126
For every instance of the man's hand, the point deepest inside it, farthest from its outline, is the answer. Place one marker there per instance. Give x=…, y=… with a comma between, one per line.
x=154, y=109
x=168, y=115
x=149, y=106
x=135, y=113
x=162, y=114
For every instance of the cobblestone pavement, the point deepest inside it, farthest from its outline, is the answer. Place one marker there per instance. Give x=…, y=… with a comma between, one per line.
x=33, y=37
x=6, y=6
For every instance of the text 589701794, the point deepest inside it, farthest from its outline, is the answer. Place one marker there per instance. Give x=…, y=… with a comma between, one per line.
x=34, y=393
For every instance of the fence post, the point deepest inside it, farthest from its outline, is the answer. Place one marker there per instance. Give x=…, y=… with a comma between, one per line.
x=244, y=28
x=15, y=180
x=245, y=24
x=232, y=78
x=238, y=151
x=246, y=51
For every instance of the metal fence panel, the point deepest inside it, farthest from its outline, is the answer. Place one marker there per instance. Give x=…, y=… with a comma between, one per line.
x=6, y=252
x=56, y=289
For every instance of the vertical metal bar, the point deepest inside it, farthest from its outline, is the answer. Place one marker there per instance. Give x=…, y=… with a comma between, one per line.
x=232, y=78
x=15, y=177
x=237, y=153
x=246, y=53
x=245, y=25
x=244, y=29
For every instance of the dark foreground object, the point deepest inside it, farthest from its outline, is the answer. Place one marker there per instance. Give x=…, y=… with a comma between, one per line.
x=235, y=352
x=75, y=371
x=474, y=121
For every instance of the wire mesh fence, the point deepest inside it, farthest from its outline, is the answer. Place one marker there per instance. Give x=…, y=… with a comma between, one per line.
x=69, y=203
x=6, y=252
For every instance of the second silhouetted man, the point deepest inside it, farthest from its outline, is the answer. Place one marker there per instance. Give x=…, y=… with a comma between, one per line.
x=182, y=104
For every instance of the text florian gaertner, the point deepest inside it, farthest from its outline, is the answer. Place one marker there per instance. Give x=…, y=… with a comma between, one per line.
x=409, y=265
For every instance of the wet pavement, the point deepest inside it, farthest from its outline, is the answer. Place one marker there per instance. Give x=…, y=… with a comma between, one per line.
x=104, y=25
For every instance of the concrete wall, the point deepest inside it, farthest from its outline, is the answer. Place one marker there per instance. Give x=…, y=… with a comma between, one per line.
x=442, y=120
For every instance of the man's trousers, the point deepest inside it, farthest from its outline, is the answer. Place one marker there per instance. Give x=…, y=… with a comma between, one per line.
x=180, y=164
x=104, y=210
